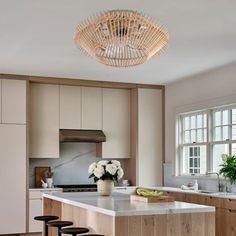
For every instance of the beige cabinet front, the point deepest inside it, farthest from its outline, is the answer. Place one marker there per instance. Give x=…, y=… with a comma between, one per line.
x=91, y=108
x=44, y=121
x=116, y=123
x=13, y=101
x=149, y=165
x=13, y=179
x=35, y=209
x=70, y=107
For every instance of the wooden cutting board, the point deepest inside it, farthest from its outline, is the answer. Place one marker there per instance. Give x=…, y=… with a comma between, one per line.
x=39, y=174
x=163, y=198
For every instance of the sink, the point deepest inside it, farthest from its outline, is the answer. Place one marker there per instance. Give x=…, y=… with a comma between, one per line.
x=206, y=191
x=225, y=194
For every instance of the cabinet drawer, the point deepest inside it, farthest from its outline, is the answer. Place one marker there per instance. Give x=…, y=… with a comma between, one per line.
x=230, y=204
x=35, y=194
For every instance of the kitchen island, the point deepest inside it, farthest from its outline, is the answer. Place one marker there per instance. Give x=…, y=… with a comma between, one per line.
x=118, y=216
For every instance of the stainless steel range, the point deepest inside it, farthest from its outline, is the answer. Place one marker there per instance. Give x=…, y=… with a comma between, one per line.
x=78, y=187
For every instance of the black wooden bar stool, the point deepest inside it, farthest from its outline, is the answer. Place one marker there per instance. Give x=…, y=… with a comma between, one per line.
x=59, y=224
x=74, y=230
x=46, y=219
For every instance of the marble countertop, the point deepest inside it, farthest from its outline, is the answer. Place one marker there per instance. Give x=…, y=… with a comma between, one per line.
x=198, y=192
x=45, y=189
x=120, y=205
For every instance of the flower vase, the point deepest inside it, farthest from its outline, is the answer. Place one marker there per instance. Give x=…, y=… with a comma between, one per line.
x=105, y=187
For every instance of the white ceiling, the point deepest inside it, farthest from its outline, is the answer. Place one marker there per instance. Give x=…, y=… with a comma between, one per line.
x=36, y=38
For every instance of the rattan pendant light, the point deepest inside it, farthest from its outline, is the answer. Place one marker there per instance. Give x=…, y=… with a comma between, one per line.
x=121, y=38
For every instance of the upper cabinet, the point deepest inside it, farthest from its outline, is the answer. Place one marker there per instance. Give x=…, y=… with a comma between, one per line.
x=149, y=137
x=44, y=121
x=116, y=123
x=70, y=107
x=91, y=108
x=13, y=110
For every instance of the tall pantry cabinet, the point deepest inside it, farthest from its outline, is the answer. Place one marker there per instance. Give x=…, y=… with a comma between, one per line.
x=13, y=156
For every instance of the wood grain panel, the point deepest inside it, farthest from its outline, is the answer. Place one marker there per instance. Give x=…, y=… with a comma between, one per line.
x=79, y=82
x=130, y=164
x=187, y=224
x=135, y=225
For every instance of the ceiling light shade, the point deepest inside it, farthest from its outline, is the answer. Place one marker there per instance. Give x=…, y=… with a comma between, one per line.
x=121, y=38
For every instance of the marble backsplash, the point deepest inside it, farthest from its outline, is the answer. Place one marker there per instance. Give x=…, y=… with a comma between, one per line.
x=71, y=167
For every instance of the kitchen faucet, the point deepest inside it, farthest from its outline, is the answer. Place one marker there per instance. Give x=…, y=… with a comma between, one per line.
x=218, y=178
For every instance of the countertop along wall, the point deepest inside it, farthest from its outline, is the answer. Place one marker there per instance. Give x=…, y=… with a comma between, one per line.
x=210, y=89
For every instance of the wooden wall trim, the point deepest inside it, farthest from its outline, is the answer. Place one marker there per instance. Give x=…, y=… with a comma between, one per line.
x=79, y=82
x=130, y=163
x=163, y=133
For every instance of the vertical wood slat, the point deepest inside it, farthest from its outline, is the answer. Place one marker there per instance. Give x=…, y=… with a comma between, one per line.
x=130, y=164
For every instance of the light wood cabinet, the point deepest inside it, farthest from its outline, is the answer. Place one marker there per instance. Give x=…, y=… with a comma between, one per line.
x=70, y=107
x=44, y=121
x=13, y=178
x=91, y=108
x=116, y=123
x=149, y=167
x=13, y=101
x=0, y=101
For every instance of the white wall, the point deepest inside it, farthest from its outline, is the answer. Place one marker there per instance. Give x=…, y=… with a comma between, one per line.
x=213, y=88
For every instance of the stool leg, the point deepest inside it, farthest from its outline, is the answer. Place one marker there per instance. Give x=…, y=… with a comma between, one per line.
x=45, y=229
x=59, y=231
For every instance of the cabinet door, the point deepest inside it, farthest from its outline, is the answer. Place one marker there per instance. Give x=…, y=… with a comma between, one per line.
x=231, y=219
x=70, y=107
x=44, y=121
x=0, y=101
x=35, y=209
x=91, y=108
x=116, y=123
x=13, y=179
x=150, y=137
x=13, y=101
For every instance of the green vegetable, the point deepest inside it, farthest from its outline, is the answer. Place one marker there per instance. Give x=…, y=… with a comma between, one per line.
x=148, y=193
x=228, y=169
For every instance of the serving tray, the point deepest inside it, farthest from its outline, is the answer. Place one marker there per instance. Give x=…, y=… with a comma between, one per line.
x=163, y=198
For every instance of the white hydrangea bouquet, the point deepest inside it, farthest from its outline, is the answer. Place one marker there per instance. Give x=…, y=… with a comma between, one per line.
x=106, y=170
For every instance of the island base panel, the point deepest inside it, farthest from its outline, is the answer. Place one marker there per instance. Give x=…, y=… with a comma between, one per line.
x=184, y=224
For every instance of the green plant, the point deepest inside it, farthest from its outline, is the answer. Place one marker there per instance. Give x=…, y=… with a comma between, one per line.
x=228, y=168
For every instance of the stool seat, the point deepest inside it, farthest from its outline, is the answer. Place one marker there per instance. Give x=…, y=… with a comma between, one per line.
x=59, y=223
x=92, y=235
x=46, y=218
x=74, y=230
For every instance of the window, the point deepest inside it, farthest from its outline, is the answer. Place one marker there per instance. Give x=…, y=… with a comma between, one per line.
x=203, y=137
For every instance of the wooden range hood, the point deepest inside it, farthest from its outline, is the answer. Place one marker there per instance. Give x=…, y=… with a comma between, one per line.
x=82, y=136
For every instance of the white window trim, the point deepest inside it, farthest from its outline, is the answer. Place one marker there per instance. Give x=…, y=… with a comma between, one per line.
x=210, y=136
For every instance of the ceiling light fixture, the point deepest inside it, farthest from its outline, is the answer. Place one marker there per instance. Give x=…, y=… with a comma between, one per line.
x=121, y=38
